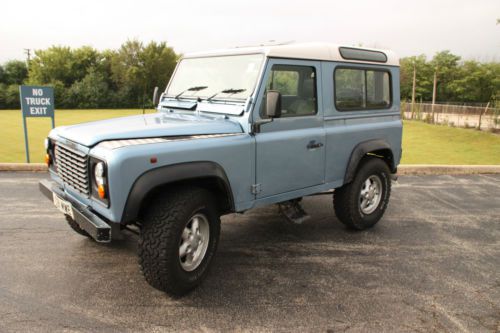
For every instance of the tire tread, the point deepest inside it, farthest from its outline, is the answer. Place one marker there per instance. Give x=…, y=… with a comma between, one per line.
x=345, y=198
x=159, y=237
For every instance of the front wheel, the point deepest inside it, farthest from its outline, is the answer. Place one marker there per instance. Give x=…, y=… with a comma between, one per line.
x=178, y=239
x=362, y=203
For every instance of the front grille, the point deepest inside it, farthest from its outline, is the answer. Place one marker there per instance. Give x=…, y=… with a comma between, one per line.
x=72, y=167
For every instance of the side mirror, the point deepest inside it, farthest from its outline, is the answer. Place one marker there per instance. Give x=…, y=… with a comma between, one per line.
x=156, y=97
x=273, y=104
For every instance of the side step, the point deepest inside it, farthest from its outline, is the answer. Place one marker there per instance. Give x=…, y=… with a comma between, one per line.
x=293, y=211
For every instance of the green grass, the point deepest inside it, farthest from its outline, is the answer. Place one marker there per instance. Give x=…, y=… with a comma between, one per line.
x=12, y=135
x=422, y=143
x=436, y=144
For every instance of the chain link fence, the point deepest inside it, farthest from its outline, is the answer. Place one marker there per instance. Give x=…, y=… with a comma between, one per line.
x=485, y=118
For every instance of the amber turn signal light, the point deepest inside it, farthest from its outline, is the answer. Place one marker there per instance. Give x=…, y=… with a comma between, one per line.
x=101, y=190
x=47, y=159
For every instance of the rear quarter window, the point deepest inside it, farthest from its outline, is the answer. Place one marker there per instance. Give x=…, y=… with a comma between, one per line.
x=362, y=89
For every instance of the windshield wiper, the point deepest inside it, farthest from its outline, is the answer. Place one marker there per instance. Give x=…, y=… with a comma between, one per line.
x=230, y=91
x=195, y=88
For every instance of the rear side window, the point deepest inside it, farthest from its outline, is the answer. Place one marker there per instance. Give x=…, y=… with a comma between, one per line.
x=297, y=85
x=362, y=89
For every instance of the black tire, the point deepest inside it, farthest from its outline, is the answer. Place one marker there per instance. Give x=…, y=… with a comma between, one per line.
x=346, y=200
x=76, y=227
x=164, y=220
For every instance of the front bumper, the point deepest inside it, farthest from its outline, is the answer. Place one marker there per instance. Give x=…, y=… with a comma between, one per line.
x=95, y=226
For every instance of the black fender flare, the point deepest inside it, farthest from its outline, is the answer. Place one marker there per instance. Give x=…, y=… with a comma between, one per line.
x=361, y=150
x=155, y=178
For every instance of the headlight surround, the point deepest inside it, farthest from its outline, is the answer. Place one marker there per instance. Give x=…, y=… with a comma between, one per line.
x=49, y=158
x=100, y=187
x=99, y=173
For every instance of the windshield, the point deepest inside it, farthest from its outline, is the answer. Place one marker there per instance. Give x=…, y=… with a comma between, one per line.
x=221, y=77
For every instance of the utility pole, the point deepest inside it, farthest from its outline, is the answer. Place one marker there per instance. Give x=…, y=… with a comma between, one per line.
x=434, y=93
x=413, y=88
x=28, y=54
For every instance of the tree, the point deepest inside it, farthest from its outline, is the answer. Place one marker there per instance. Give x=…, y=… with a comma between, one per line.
x=2, y=75
x=476, y=82
x=3, y=90
x=446, y=65
x=159, y=64
x=126, y=71
x=126, y=76
x=90, y=92
x=62, y=64
x=468, y=81
x=52, y=64
x=423, y=89
x=137, y=69
x=84, y=60
x=61, y=67
x=9, y=96
x=14, y=72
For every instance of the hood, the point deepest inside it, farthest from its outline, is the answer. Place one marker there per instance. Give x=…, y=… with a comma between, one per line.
x=146, y=126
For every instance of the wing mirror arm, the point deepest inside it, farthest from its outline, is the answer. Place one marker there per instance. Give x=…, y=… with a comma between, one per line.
x=273, y=110
x=156, y=97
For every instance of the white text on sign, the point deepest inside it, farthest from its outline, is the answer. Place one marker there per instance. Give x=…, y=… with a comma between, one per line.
x=36, y=109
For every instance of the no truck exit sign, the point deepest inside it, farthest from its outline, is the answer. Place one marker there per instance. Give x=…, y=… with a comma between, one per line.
x=36, y=101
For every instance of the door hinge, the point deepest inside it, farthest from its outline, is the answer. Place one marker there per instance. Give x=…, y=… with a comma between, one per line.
x=256, y=189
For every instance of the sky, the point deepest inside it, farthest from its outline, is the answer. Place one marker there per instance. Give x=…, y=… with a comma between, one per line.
x=467, y=28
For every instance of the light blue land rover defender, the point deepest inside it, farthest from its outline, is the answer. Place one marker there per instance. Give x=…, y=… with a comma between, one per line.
x=234, y=130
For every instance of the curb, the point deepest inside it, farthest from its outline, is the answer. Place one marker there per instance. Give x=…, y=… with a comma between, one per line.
x=404, y=169
x=438, y=169
x=33, y=167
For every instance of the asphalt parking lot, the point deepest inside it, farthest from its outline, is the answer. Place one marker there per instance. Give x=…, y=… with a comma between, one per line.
x=431, y=264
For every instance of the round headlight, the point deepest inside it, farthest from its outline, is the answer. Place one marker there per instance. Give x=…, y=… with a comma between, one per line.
x=99, y=173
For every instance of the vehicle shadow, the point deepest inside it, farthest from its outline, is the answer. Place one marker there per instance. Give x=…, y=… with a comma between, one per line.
x=262, y=259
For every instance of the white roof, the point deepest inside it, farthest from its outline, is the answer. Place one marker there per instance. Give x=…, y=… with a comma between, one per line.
x=311, y=51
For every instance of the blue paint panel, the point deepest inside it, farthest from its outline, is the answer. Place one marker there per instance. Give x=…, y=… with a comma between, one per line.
x=233, y=153
x=345, y=130
x=277, y=157
x=150, y=125
x=283, y=161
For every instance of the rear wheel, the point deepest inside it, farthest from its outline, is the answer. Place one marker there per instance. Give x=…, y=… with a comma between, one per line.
x=362, y=203
x=178, y=239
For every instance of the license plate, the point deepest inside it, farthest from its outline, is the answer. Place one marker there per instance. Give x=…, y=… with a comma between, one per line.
x=63, y=206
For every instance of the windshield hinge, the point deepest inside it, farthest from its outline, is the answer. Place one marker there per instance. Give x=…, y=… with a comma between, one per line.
x=256, y=189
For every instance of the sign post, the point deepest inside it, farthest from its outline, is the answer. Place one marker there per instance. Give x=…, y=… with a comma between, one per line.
x=36, y=101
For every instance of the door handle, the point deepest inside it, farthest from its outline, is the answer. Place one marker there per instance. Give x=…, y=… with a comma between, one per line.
x=314, y=145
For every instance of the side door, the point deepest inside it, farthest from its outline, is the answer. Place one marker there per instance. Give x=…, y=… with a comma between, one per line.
x=290, y=150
